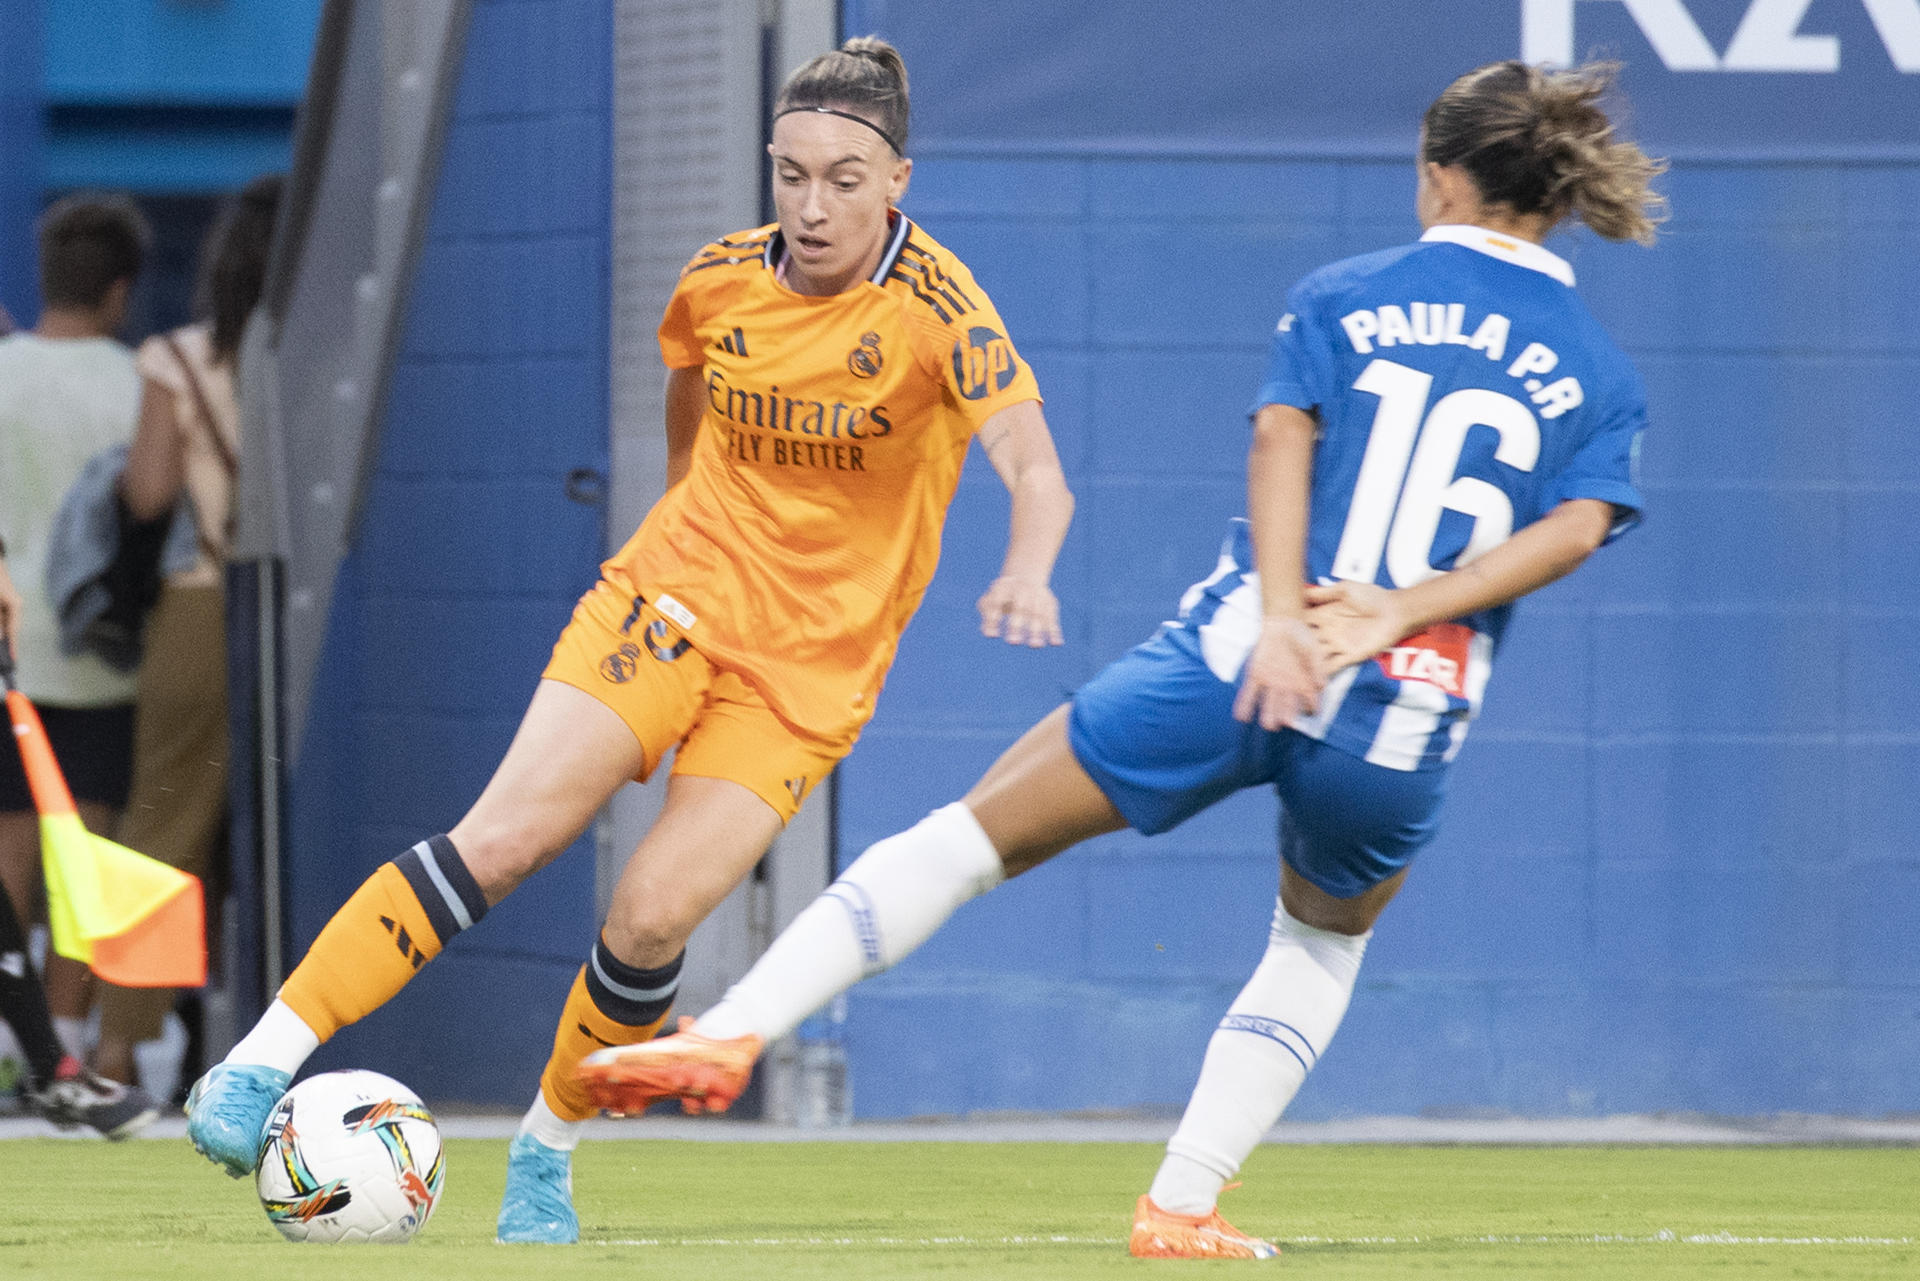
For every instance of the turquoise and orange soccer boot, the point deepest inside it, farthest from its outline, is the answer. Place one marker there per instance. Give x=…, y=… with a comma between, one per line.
x=538, y=1205
x=227, y=1110
x=704, y=1074
x=1162, y=1234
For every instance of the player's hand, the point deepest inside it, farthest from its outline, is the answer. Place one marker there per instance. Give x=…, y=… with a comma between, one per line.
x=1021, y=611
x=1281, y=681
x=1354, y=621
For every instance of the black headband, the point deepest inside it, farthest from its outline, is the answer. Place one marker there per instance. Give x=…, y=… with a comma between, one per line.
x=898, y=150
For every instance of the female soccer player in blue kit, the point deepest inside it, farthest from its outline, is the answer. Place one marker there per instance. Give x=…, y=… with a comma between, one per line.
x=1443, y=428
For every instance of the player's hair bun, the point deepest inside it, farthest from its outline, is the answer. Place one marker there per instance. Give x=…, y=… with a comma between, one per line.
x=865, y=76
x=877, y=50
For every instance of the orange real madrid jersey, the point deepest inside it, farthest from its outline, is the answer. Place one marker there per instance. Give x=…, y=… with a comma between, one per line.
x=801, y=540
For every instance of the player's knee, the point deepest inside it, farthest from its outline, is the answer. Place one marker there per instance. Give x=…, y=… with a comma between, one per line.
x=500, y=855
x=1310, y=905
x=649, y=934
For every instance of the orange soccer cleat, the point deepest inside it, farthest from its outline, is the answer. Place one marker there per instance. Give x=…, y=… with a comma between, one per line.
x=1161, y=1234
x=704, y=1074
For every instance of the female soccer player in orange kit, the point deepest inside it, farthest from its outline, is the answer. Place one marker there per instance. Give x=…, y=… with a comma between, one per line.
x=827, y=375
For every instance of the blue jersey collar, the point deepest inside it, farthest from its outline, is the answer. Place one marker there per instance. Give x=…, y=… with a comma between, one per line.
x=1494, y=244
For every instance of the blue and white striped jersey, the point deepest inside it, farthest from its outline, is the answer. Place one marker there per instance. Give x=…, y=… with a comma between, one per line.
x=1463, y=391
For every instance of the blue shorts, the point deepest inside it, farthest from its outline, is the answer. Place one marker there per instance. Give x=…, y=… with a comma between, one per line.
x=1156, y=732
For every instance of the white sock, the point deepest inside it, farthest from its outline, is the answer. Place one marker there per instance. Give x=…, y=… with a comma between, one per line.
x=883, y=907
x=1270, y=1039
x=72, y=1035
x=281, y=1039
x=549, y=1127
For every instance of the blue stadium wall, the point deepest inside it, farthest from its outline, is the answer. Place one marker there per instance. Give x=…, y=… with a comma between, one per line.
x=471, y=555
x=1678, y=868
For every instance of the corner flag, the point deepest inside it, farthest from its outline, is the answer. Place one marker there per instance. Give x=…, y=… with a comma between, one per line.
x=133, y=919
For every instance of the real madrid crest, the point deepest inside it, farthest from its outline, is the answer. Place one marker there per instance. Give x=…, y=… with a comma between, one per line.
x=865, y=360
x=619, y=666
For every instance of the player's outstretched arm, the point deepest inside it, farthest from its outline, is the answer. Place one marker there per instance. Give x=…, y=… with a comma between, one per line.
x=1355, y=621
x=1019, y=606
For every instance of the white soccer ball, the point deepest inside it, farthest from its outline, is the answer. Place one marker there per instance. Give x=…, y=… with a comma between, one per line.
x=350, y=1156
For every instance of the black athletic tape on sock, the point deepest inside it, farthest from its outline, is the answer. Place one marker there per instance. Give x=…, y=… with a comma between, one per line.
x=454, y=868
x=446, y=889
x=630, y=996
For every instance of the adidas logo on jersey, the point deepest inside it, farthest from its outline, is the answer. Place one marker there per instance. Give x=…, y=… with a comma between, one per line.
x=734, y=344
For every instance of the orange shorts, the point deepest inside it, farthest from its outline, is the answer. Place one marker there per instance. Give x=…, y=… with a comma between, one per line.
x=626, y=653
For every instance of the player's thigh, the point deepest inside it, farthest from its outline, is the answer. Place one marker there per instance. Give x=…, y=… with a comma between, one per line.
x=709, y=835
x=612, y=701
x=1037, y=800
x=570, y=754
x=739, y=776
x=1349, y=831
x=1154, y=732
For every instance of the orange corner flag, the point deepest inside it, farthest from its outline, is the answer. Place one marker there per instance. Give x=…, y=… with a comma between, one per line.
x=136, y=921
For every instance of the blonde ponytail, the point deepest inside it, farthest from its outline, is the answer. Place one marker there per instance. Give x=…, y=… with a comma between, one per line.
x=1539, y=141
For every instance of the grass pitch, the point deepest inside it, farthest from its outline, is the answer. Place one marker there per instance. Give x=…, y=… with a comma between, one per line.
x=1007, y=1210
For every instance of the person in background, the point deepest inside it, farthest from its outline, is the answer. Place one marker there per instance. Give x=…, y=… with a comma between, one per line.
x=187, y=443
x=68, y=390
x=57, y=1086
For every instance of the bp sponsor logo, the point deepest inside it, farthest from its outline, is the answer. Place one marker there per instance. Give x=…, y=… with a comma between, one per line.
x=983, y=363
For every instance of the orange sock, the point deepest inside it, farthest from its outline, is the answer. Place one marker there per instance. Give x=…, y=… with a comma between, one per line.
x=396, y=922
x=611, y=1003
